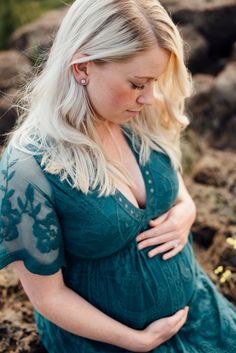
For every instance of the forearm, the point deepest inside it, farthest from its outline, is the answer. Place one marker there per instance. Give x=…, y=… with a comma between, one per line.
x=185, y=198
x=183, y=192
x=74, y=314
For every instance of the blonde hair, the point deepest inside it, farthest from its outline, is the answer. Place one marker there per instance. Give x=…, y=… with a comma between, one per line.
x=58, y=120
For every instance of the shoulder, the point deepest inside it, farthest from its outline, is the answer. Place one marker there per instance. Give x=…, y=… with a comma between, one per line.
x=21, y=168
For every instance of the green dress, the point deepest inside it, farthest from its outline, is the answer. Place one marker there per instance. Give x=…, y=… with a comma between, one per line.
x=49, y=226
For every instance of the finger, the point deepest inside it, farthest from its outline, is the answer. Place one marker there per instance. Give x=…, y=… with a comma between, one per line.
x=156, y=240
x=174, y=323
x=173, y=245
x=169, y=225
x=182, y=320
x=155, y=222
x=156, y=231
x=173, y=252
x=175, y=319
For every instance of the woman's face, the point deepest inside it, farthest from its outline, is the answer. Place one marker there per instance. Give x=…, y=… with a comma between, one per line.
x=119, y=91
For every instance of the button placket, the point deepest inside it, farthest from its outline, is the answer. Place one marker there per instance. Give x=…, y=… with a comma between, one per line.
x=130, y=209
x=150, y=186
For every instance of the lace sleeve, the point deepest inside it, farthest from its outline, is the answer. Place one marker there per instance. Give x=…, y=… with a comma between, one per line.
x=29, y=225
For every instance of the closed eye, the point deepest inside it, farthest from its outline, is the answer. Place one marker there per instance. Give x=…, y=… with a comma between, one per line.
x=140, y=87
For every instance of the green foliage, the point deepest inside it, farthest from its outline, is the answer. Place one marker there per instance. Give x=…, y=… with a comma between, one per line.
x=16, y=13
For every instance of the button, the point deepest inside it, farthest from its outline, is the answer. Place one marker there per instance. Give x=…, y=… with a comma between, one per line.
x=132, y=211
x=126, y=205
x=152, y=190
x=147, y=172
x=149, y=181
x=120, y=199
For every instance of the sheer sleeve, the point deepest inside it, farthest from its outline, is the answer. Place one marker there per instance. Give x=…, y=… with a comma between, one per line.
x=29, y=225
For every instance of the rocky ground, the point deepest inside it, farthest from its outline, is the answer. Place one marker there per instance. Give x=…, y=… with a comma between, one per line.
x=209, y=145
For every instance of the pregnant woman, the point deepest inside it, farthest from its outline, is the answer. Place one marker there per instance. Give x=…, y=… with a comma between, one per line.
x=95, y=216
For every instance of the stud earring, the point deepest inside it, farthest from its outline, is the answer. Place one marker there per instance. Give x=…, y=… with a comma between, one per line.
x=83, y=82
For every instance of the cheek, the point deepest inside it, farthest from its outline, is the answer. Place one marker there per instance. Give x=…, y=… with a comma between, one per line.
x=107, y=98
x=121, y=99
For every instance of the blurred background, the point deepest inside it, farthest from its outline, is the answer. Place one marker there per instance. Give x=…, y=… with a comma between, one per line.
x=16, y=13
x=208, y=27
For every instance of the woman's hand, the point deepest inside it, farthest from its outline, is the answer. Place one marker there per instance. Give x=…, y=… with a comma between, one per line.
x=170, y=231
x=160, y=331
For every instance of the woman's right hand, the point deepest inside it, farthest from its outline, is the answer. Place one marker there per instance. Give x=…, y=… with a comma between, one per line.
x=161, y=330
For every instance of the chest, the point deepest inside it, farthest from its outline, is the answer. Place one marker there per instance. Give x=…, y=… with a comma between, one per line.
x=96, y=227
x=120, y=152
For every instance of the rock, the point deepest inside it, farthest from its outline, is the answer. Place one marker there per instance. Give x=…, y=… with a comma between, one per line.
x=223, y=259
x=215, y=210
x=35, y=39
x=203, y=234
x=19, y=337
x=209, y=170
x=209, y=17
x=199, y=105
x=193, y=148
x=8, y=279
x=225, y=84
x=196, y=46
x=17, y=329
x=224, y=103
x=13, y=69
x=216, y=217
x=213, y=107
x=216, y=204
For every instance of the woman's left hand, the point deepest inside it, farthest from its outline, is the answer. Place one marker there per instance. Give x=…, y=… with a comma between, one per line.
x=171, y=230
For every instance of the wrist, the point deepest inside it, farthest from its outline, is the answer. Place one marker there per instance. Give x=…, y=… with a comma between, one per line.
x=189, y=205
x=141, y=341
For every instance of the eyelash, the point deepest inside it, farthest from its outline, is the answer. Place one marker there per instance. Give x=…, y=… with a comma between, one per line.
x=141, y=87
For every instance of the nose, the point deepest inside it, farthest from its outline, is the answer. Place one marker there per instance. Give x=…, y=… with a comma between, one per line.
x=147, y=96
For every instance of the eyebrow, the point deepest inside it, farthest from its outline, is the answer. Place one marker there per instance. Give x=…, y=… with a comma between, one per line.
x=146, y=77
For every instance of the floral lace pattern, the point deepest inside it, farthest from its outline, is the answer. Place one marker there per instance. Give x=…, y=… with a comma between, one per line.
x=10, y=216
x=24, y=207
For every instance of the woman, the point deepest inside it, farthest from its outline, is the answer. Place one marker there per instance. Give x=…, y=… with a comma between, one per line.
x=95, y=215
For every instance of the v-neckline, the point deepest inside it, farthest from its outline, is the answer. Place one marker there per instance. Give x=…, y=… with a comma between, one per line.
x=145, y=172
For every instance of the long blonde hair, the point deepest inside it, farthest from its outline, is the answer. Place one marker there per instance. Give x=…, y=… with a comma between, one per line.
x=57, y=118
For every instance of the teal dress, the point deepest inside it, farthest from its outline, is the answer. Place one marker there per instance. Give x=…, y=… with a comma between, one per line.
x=51, y=226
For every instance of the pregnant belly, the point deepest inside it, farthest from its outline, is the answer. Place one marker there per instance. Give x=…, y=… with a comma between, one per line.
x=135, y=289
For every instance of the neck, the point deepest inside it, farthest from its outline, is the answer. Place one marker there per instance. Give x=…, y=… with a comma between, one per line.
x=107, y=131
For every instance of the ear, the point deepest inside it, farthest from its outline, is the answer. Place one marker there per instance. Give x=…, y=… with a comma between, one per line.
x=80, y=71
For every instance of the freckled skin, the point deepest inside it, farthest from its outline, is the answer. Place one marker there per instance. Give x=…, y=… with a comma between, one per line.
x=110, y=86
